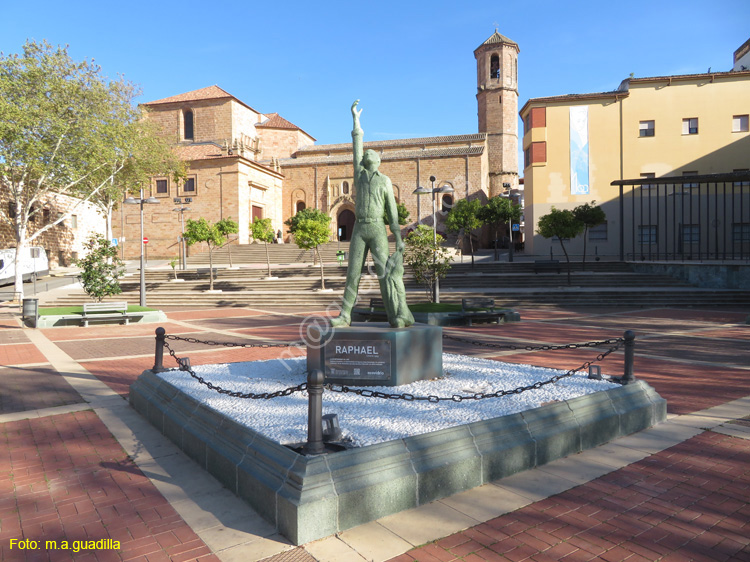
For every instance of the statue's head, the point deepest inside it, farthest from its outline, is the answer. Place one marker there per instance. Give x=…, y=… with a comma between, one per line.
x=370, y=160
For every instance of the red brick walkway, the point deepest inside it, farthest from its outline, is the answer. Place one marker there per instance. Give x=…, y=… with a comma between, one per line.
x=689, y=502
x=69, y=480
x=65, y=477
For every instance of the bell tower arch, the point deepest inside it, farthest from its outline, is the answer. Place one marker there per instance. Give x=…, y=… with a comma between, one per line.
x=497, y=108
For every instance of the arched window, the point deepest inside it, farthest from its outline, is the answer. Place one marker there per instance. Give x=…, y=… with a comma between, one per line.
x=187, y=124
x=446, y=203
x=345, y=188
x=397, y=193
x=300, y=206
x=494, y=66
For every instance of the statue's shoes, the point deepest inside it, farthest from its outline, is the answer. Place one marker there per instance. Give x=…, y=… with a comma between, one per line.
x=399, y=323
x=341, y=320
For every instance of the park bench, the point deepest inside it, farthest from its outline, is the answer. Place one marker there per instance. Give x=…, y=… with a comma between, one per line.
x=547, y=265
x=96, y=311
x=481, y=308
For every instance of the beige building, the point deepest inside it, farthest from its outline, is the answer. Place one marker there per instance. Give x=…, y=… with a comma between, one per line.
x=244, y=163
x=575, y=146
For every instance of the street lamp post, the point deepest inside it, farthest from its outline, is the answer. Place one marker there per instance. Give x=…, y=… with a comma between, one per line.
x=510, y=223
x=434, y=191
x=181, y=210
x=140, y=201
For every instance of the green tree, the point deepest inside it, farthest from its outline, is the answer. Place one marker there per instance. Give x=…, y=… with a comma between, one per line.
x=310, y=232
x=403, y=214
x=262, y=230
x=590, y=215
x=306, y=214
x=65, y=129
x=213, y=235
x=465, y=215
x=499, y=211
x=562, y=224
x=427, y=258
x=100, y=268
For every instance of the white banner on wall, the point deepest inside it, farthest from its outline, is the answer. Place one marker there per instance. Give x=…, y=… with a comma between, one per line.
x=579, y=150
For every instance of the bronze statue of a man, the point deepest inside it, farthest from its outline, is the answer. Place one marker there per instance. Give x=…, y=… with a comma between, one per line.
x=373, y=197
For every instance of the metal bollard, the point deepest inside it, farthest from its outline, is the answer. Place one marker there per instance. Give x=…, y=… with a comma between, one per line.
x=314, y=444
x=159, y=352
x=628, y=377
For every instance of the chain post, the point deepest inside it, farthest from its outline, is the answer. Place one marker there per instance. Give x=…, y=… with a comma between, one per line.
x=315, y=445
x=628, y=377
x=159, y=352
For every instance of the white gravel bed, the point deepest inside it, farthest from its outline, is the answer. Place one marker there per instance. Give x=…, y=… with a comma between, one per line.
x=366, y=421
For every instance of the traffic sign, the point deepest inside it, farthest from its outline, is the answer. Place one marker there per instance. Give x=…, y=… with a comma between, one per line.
x=114, y=241
x=145, y=240
x=516, y=228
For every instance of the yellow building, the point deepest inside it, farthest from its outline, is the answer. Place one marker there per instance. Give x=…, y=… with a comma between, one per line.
x=575, y=146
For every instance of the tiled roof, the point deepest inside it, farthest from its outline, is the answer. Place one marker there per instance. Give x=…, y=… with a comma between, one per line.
x=346, y=157
x=476, y=137
x=495, y=39
x=210, y=93
x=723, y=74
x=276, y=121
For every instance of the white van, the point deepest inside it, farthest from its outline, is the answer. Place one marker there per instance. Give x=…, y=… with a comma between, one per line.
x=33, y=260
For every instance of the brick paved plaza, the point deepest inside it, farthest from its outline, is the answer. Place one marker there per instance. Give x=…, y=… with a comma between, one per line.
x=80, y=465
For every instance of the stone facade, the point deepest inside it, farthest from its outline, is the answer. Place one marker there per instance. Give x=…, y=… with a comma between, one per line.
x=65, y=241
x=245, y=164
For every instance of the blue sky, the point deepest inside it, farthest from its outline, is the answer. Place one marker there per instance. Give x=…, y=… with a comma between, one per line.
x=410, y=63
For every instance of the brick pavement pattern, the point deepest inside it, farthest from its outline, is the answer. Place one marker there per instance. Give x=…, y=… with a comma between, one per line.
x=689, y=502
x=66, y=477
x=69, y=480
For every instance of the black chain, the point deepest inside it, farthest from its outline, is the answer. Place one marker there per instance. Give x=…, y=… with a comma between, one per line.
x=183, y=366
x=367, y=393
x=512, y=347
x=234, y=344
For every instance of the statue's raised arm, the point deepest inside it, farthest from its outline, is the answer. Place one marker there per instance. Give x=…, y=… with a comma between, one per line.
x=357, y=145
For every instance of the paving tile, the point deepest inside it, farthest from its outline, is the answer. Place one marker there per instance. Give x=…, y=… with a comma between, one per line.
x=427, y=522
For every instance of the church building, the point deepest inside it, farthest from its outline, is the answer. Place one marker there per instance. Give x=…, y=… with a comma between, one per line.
x=246, y=164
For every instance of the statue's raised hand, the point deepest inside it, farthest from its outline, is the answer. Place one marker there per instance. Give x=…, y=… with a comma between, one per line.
x=356, y=113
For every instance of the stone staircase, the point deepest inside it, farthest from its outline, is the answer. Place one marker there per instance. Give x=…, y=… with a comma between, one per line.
x=511, y=284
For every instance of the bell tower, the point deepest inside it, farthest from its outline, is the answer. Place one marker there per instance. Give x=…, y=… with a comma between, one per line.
x=497, y=105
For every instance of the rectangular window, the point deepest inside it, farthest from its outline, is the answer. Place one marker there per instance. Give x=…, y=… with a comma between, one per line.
x=647, y=128
x=740, y=124
x=690, y=126
x=691, y=233
x=690, y=185
x=527, y=157
x=46, y=215
x=162, y=187
x=598, y=233
x=187, y=119
x=73, y=221
x=647, y=234
x=646, y=175
x=188, y=188
x=741, y=232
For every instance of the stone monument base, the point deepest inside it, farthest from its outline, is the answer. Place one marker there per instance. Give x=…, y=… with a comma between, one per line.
x=374, y=354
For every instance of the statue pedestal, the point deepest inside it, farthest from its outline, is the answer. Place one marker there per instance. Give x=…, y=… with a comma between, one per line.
x=374, y=354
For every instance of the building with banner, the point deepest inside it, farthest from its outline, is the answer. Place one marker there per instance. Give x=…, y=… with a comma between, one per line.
x=576, y=146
